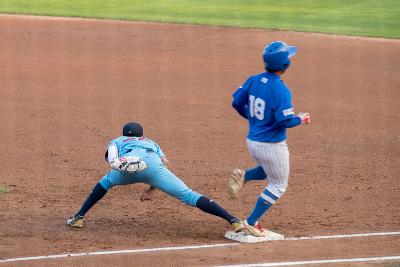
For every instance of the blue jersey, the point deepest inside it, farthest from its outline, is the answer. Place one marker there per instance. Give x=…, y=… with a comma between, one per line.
x=267, y=104
x=126, y=144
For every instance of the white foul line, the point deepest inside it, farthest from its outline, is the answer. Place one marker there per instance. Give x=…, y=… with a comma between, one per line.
x=342, y=236
x=118, y=252
x=187, y=248
x=292, y=263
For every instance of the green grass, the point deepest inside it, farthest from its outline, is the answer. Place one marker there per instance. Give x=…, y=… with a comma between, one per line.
x=379, y=18
x=4, y=189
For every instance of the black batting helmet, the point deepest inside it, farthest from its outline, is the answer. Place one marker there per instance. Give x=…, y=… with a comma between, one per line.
x=132, y=129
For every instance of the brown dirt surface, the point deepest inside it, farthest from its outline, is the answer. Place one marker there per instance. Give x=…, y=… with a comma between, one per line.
x=68, y=85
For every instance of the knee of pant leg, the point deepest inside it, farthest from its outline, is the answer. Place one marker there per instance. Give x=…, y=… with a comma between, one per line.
x=282, y=189
x=189, y=197
x=277, y=189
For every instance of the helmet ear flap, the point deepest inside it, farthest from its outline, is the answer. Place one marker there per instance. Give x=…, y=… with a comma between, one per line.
x=286, y=64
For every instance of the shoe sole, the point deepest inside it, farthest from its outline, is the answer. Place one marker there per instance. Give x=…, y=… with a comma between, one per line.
x=76, y=226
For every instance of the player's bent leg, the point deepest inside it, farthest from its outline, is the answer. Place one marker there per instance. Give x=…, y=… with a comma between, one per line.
x=274, y=158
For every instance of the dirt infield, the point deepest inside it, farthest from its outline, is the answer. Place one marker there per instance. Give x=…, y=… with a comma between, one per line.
x=67, y=86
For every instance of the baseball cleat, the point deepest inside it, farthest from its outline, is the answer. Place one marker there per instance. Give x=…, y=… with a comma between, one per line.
x=255, y=230
x=75, y=221
x=237, y=225
x=236, y=182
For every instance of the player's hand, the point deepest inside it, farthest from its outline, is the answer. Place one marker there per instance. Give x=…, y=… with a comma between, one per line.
x=305, y=118
x=147, y=194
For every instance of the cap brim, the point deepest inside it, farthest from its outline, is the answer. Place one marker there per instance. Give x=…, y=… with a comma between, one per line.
x=292, y=50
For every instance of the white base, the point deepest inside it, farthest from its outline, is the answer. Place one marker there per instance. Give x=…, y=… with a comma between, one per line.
x=247, y=238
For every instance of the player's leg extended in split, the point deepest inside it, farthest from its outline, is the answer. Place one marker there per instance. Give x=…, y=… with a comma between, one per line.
x=273, y=164
x=159, y=177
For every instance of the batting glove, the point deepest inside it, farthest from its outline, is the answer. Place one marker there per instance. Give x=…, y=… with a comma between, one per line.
x=305, y=118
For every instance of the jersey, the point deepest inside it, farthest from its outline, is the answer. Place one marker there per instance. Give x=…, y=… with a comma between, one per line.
x=267, y=104
x=125, y=144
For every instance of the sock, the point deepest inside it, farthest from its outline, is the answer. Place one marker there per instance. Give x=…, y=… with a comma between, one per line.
x=97, y=193
x=256, y=173
x=210, y=206
x=264, y=202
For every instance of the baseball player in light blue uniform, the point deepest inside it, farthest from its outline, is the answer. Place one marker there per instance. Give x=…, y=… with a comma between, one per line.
x=149, y=167
x=266, y=102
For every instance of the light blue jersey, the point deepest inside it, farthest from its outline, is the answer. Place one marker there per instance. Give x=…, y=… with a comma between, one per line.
x=125, y=145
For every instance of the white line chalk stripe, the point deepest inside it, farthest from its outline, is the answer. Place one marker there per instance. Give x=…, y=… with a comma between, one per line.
x=118, y=252
x=184, y=247
x=342, y=236
x=292, y=263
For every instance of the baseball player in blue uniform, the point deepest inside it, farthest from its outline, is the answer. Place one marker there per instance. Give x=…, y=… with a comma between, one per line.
x=266, y=102
x=136, y=159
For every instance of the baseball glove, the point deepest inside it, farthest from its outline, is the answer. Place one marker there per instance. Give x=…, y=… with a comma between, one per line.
x=128, y=164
